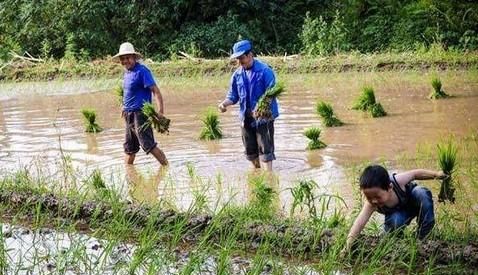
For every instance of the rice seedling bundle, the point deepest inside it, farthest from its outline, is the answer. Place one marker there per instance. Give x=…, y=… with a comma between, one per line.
x=89, y=116
x=367, y=102
x=437, y=92
x=327, y=113
x=263, y=109
x=377, y=110
x=119, y=92
x=211, y=129
x=159, y=122
x=447, y=161
x=313, y=133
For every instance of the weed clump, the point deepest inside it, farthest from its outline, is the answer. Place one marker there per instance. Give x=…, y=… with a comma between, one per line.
x=325, y=111
x=89, y=116
x=447, y=161
x=367, y=102
x=211, y=129
x=313, y=133
x=159, y=122
x=437, y=92
x=263, y=110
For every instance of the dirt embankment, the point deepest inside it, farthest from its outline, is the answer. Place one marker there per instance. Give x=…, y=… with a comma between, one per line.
x=287, y=239
x=24, y=70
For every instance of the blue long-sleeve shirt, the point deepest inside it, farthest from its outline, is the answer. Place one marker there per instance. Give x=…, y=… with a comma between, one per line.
x=247, y=93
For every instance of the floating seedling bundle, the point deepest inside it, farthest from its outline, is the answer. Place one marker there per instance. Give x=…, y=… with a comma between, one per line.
x=313, y=133
x=366, y=102
x=90, y=121
x=159, y=122
x=263, y=110
x=325, y=111
x=447, y=161
x=211, y=129
x=437, y=92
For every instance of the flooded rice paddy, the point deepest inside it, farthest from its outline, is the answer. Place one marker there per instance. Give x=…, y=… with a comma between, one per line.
x=40, y=122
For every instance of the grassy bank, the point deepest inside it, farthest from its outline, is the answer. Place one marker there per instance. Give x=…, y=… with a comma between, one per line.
x=255, y=231
x=19, y=70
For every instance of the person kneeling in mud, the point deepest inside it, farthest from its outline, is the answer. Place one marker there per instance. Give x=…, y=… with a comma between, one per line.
x=398, y=198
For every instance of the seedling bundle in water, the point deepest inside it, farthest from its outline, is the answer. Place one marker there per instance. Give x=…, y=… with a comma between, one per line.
x=367, y=102
x=447, y=161
x=313, y=133
x=327, y=113
x=263, y=110
x=90, y=124
x=158, y=122
x=211, y=129
x=437, y=89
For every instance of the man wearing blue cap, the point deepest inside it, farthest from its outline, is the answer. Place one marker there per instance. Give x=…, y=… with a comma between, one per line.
x=248, y=83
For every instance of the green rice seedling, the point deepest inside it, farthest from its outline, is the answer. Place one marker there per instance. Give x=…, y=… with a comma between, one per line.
x=159, y=122
x=303, y=195
x=211, y=129
x=377, y=110
x=365, y=100
x=262, y=197
x=447, y=161
x=119, y=92
x=313, y=133
x=325, y=111
x=263, y=110
x=90, y=118
x=437, y=92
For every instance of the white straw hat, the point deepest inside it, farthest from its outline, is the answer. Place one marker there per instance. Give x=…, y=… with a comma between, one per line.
x=126, y=48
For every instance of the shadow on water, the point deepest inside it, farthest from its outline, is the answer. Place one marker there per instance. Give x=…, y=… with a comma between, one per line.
x=38, y=126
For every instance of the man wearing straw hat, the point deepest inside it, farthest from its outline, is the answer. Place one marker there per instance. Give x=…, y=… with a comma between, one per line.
x=248, y=83
x=138, y=88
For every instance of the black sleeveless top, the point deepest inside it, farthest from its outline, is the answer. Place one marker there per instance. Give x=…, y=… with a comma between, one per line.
x=403, y=196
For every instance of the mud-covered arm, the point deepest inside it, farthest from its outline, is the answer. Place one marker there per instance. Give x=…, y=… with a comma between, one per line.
x=359, y=223
x=419, y=174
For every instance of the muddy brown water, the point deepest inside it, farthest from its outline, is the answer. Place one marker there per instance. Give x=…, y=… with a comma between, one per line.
x=39, y=121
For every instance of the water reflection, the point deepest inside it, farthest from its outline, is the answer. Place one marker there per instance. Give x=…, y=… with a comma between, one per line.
x=144, y=187
x=27, y=131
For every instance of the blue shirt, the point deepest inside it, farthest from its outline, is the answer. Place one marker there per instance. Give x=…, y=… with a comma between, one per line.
x=247, y=92
x=136, y=87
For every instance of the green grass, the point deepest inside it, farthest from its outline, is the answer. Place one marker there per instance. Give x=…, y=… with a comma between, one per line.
x=325, y=111
x=89, y=116
x=390, y=61
x=211, y=125
x=313, y=134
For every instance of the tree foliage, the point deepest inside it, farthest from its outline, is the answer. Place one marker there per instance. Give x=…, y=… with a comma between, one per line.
x=85, y=29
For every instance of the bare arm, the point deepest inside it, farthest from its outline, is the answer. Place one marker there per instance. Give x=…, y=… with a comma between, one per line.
x=158, y=97
x=419, y=174
x=359, y=223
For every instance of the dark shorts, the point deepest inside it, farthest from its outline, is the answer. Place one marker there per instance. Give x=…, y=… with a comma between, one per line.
x=136, y=135
x=259, y=141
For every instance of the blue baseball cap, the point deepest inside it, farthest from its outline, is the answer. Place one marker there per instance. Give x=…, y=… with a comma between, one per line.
x=241, y=48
